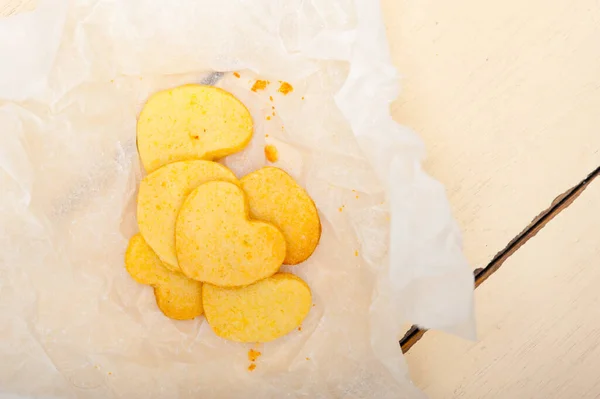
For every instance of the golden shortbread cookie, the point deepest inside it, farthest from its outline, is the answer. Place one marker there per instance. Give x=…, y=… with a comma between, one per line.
x=274, y=197
x=177, y=296
x=161, y=195
x=191, y=122
x=260, y=312
x=217, y=243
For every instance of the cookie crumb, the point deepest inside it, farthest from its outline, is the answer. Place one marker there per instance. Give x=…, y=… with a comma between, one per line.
x=252, y=367
x=271, y=153
x=285, y=88
x=253, y=355
x=356, y=253
x=300, y=328
x=303, y=97
x=308, y=358
x=260, y=85
x=341, y=208
x=237, y=75
x=268, y=118
x=271, y=98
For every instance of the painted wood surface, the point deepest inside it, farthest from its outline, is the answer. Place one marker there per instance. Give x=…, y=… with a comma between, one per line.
x=537, y=317
x=506, y=96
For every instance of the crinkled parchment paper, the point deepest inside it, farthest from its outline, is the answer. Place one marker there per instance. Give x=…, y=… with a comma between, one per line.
x=73, y=76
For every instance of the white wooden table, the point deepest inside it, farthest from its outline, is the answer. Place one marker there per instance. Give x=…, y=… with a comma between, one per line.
x=507, y=97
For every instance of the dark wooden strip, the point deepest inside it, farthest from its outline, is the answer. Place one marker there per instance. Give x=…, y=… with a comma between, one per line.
x=562, y=202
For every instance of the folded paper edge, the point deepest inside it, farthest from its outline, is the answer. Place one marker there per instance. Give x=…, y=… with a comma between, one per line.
x=372, y=67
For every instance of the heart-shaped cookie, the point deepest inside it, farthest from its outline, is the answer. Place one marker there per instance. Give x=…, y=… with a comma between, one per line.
x=217, y=243
x=161, y=195
x=260, y=312
x=191, y=122
x=275, y=197
x=177, y=296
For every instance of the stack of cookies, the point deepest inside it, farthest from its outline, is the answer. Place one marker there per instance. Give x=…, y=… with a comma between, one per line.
x=209, y=243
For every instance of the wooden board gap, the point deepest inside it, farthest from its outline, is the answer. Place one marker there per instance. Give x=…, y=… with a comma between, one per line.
x=413, y=335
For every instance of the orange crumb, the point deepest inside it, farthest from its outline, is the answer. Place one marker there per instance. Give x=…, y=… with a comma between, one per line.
x=237, y=75
x=271, y=153
x=271, y=98
x=196, y=137
x=268, y=118
x=260, y=85
x=267, y=135
x=341, y=208
x=253, y=355
x=300, y=328
x=355, y=253
x=285, y=88
x=252, y=367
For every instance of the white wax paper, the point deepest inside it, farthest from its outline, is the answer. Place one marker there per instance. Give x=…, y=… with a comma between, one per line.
x=73, y=76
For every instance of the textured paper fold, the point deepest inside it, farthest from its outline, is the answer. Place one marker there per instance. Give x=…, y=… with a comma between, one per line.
x=73, y=77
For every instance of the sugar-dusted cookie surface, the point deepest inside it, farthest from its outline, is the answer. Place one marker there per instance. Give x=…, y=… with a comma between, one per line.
x=261, y=312
x=275, y=197
x=177, y=296
x=191, y=122
x=217, y=243
x=161, y=195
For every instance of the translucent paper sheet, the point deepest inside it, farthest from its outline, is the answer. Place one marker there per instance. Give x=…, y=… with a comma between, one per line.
x=73, y=77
